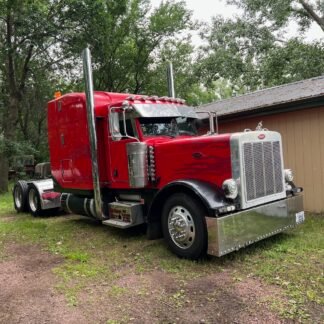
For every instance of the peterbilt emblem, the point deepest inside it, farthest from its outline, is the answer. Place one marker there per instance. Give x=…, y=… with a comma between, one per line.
x=261, y=136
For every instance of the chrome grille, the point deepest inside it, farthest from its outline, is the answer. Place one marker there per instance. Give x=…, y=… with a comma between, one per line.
x=262, y=168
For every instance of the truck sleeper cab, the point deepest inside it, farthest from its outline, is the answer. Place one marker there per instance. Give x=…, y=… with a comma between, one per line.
x=205, y=194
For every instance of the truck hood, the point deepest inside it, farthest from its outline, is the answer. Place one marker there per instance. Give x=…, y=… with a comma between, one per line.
x=206, y=158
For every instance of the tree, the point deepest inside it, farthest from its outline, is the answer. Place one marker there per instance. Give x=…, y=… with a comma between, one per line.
x=125, y=38
x=253, y=50
x=187, y=82
x=29, y=31
x=180, y=53
x=293, y=62
x=33, y=113
x=232, y=51
x=41, y=41
x=280, y=12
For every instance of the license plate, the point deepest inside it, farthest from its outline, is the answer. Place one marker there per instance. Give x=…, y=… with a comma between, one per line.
x=300, y=217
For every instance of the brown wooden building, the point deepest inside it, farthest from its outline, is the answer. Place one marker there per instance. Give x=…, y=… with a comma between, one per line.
x=296, y=110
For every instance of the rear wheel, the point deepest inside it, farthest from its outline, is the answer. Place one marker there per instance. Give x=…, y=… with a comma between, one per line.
x=184, y=226
x=20, y=196
x=34, y=202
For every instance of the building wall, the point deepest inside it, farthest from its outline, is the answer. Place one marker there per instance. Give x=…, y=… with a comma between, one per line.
x=303, y=145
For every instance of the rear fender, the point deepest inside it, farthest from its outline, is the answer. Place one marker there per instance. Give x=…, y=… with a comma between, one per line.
x=46, y=186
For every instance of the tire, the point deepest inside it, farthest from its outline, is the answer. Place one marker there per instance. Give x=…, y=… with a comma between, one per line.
x=34, y=202
x=184, y=216
x=20, y=196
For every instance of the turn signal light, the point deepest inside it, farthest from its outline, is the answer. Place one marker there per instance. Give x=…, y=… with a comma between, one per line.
x=289, y=176
x=230, y=188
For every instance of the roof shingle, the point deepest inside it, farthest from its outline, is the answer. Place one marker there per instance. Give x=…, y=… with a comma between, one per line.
x=267, y=98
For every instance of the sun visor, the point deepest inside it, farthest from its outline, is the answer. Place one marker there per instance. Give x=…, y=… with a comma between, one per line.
x=186, y=111
x=163, y=110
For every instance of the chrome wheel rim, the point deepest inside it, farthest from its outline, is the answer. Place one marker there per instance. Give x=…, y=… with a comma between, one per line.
x=18, y=197
x=181, y=227
x=33, y=200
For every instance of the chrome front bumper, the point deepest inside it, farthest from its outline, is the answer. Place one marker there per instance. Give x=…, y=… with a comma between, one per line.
x=237, y=230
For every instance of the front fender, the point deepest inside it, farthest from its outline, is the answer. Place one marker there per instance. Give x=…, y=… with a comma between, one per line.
x=210, y=195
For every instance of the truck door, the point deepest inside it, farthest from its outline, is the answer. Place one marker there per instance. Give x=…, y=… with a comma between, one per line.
x=117, y=149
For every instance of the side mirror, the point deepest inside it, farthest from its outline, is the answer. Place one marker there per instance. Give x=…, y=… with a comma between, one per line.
x=114, y=126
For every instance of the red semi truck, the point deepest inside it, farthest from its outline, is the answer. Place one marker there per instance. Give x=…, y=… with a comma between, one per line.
x=129, y=159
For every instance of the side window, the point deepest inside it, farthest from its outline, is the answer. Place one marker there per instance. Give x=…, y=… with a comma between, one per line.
x=129, y=128
x=116, y=127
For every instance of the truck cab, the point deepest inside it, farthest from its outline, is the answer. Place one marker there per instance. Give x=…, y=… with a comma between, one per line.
x=122, y=122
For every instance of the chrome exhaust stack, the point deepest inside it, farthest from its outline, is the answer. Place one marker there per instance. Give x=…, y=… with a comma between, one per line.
x=87, y=73
x=171, y=91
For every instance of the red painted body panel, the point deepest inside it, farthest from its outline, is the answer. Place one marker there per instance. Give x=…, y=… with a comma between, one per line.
x=69, y=139
x=119, y=164
x=202, y=158
x=206, y=158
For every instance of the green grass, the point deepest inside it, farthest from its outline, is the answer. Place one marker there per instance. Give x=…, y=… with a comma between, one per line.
x=6, y=203
x=95, y=253
x=292, y=261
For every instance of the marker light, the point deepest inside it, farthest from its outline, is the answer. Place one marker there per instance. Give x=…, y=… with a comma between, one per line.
x=57, y=94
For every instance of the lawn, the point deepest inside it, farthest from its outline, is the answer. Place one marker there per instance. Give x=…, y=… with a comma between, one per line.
x=96, y=255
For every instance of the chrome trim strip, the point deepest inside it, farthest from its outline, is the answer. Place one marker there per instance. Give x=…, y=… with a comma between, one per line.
x=85, y=206
x=236, y=164
x=235, y=231
x=92, y=207
x=67, y=203
x=87, y=71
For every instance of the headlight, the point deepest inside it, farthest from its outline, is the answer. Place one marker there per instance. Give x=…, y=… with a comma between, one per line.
x=289, y=175
x=230, y=188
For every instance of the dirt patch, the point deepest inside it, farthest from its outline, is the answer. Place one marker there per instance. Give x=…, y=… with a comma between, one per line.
x=27, y=293
x=8, y=218
x=160, y=297
x=217, y=298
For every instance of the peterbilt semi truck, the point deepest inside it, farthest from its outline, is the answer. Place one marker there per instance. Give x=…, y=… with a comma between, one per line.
x=128, y=160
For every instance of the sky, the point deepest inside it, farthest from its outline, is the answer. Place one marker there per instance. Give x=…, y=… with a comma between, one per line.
x=203, y=10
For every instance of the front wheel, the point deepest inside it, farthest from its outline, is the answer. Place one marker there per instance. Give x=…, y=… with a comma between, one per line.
x=184, y=226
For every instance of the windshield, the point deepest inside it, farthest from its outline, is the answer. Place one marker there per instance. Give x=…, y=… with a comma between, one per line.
x=166, y=126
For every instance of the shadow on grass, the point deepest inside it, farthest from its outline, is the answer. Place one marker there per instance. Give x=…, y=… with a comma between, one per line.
x=135, y=231
x=90, y=230
x=140, y=231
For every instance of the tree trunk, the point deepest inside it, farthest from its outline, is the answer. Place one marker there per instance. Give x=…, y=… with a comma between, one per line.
x=4, y=170
x=312, y=14
x=9, y=132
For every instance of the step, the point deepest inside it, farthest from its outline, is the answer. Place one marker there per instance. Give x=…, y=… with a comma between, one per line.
x=117, y=223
